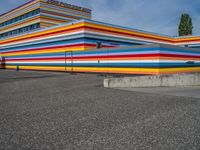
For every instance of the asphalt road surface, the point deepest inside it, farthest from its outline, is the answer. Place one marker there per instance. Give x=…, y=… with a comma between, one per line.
x=185, y=91
x=61, y=111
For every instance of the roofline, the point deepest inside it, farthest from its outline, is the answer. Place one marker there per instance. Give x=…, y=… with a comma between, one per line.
x=127, y=28
x=150, y=46
x=138, y=30
x=26, y=4
x=102, y=23
x=94, y=21
x=44, y=29
x=186, y=36
x=16, y=8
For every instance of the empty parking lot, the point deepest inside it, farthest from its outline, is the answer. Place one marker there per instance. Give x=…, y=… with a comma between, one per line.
x=46, y=110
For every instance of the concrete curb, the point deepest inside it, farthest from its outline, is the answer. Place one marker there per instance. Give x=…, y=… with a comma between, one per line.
x=190, y=79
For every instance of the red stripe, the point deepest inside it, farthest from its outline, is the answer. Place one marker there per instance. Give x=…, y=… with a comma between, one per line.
x=47, y=34
x=113, y=56
x=145, y=37
x=85, y=27
x=85, y=57
x=50, y=48
x=135, y=55
x=178, y=55
x=63, y=46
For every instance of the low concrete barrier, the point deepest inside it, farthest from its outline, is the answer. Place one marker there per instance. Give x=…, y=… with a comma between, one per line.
x=190, y=79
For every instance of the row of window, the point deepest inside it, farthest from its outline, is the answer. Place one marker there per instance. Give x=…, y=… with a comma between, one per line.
x=21, y=30
x=32, y=13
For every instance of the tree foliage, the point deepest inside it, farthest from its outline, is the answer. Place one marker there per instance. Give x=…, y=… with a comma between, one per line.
x=185, y=26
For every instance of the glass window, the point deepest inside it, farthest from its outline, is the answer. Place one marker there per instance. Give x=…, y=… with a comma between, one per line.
x=38, y=25
x=32, y=13
x=21, y=30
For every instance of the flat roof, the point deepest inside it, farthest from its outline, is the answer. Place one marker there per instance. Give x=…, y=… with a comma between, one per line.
x=111, y=25
x=103, y=23
x=62, y=3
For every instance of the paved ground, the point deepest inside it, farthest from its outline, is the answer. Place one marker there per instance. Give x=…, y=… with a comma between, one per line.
x=187, y=91
x=48, y=111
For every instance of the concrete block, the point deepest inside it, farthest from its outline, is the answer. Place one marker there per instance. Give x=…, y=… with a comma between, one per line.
x=189, y=79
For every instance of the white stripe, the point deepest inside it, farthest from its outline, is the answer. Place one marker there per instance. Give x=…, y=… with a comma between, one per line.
x=38, y=39
x=105, y=61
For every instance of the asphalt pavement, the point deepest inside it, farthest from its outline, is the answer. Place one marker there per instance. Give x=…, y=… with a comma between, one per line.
x=185, y=91
x=50, y=111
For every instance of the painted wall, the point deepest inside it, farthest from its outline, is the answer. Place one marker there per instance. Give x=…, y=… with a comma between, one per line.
x=48, y=15
x=71, y=47
x=149, y=59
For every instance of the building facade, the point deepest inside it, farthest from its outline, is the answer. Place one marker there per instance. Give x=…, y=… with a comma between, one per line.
x=37, y=14
x=91, y=46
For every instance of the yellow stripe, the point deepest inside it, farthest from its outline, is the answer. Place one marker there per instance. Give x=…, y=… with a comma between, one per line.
x=44, y=32
x=37, y=68
x=66, y=7
x=52, y=20
x=47, y=23
x=89, y=69
x=66, y=12
x=165, y=70
x=112, y=70
x=114, y=29
x=126, y=31
x=46, y=51
x=22, y=24
x=19, y=9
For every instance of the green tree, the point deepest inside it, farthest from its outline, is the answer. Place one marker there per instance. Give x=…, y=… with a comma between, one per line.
x=185, y=26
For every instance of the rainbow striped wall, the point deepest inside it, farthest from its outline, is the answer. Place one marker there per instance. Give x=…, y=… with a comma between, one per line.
x=49, y=15
x=98, y=31
x=71, y=47
x=54, y=14
x=148, y=59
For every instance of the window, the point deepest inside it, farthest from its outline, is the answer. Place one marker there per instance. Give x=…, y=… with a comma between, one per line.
x=32, y=13
x=98, y=45
x=21, y=30
x=38, y=25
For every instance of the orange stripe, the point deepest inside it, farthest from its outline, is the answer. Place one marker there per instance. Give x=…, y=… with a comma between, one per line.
x=42, y=33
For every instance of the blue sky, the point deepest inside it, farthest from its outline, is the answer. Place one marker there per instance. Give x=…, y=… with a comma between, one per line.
x=159, y=16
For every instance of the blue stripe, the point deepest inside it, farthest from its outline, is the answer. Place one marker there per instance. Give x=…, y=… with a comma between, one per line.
x=93, y=52
x=129, y=65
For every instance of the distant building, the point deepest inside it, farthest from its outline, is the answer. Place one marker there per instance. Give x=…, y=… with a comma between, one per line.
x=37, y=14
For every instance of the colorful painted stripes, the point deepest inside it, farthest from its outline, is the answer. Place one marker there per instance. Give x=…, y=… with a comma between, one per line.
x=151, y=59
x=71, y=47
